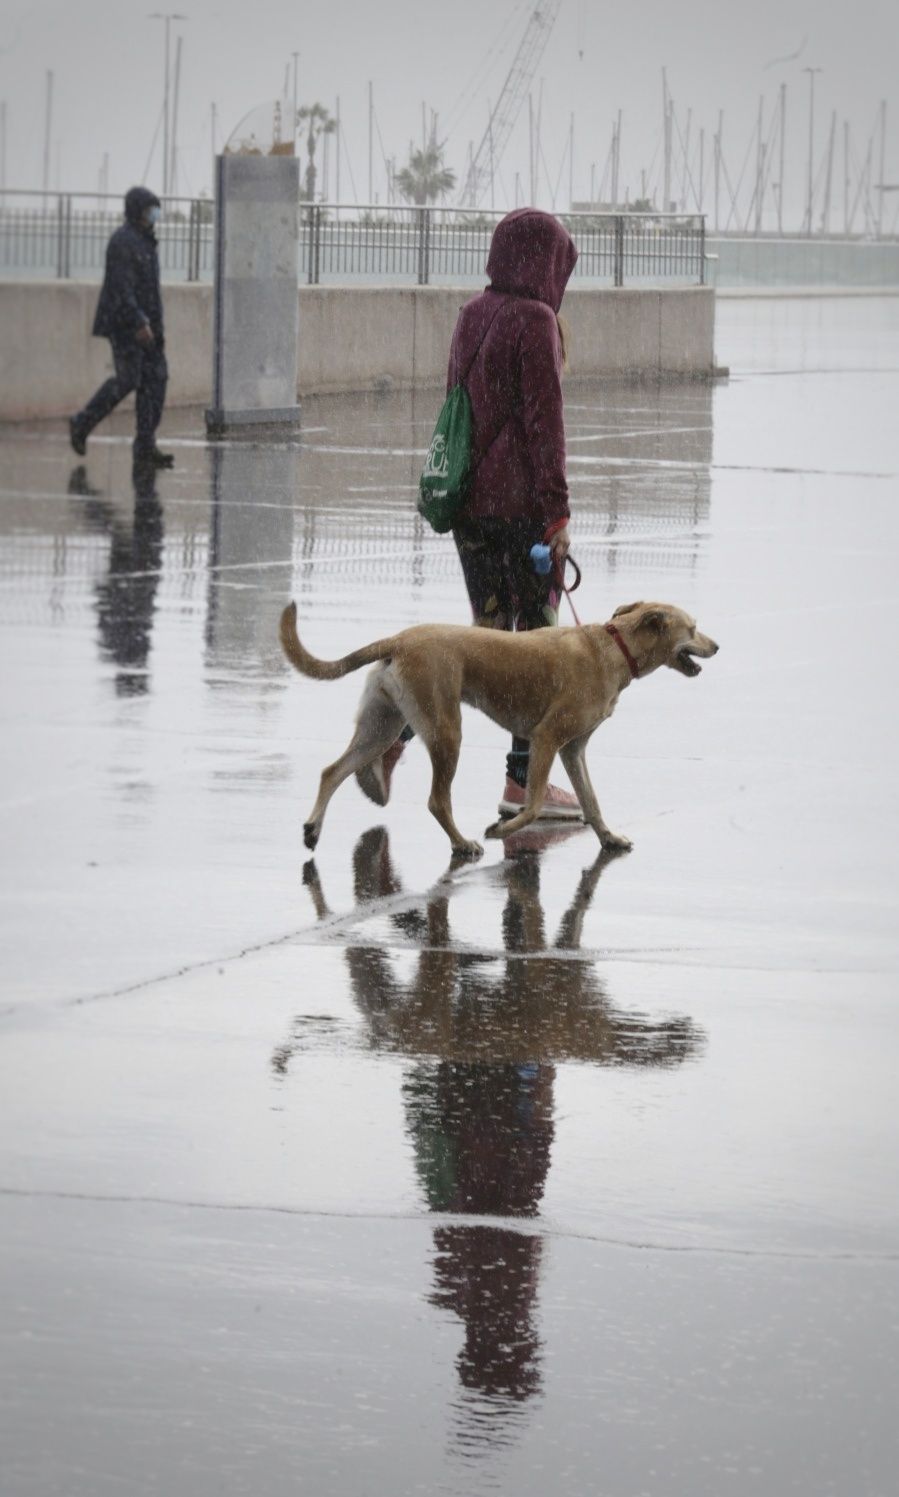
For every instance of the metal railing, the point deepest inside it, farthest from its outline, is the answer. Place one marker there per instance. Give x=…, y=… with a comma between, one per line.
x=434, y=246
x=64, y=236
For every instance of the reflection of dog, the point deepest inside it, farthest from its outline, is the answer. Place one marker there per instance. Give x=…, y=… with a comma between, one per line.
x=536, y=999
x=551, y=686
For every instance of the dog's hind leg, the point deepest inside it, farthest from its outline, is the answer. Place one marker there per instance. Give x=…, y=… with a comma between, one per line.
x=572, y=756
x=378, y=726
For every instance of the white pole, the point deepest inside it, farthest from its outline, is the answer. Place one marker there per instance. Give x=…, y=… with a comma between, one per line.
x=845, y=176
x=666, y=127
x=683, y=191
x=825, y=213
x=811, y=144
x=537, y=140
x=701, y=196
x=173, y=173
x=371, y=113
x=883, y=147
x=718, y=164
x=48, y=122
x=165, y=116
x=783, y=136
x=760, y=168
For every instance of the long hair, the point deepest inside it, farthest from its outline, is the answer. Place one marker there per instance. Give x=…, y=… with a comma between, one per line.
x=564, y=338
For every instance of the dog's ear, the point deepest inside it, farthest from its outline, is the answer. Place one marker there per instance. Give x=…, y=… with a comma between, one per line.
x=656, y=620
x=626, y=608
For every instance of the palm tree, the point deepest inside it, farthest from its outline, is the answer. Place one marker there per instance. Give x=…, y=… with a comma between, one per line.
x=320, y=123
x=425, y=179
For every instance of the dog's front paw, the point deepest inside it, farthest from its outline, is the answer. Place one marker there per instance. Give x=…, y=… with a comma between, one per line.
x=310, y=835
x=611, y=842
x=468, y=850
x=495, y=829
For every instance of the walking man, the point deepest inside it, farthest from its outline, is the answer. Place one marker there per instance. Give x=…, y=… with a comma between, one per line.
x=129, y=314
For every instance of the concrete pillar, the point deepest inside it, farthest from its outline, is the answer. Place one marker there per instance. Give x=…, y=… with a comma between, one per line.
x=254, y=362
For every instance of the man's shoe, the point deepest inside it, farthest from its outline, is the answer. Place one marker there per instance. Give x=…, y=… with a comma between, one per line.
x=153, y=457
x=77, y=436
x=374, y=779
x=558, y=805
x=78, y=483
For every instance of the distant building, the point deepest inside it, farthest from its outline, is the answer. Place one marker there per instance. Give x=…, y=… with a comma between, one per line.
x=599, y=207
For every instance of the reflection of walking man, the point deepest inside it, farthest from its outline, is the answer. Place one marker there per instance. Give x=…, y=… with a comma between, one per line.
x=129, y=314
x=126, y=597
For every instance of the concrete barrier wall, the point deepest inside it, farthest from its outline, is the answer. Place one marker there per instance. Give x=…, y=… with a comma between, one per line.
x=350, y=339
x=802, y=263
x=50, y=364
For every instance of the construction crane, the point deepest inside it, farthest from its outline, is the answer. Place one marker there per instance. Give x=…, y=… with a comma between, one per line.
x=504, y=115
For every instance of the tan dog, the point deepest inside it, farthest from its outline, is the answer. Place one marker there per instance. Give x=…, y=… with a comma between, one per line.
x=551, y=686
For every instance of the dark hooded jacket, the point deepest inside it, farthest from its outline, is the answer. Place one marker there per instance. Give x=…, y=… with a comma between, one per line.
x=514, y=383
x=131, y=298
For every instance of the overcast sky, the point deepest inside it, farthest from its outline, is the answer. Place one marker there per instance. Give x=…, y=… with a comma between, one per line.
x=106, y=56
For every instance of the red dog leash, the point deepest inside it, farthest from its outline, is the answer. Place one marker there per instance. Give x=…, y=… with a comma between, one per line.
x=610, y=629
x=560, y=577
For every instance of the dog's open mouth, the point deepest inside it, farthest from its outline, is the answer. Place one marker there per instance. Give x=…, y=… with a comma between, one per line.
x=685, y=663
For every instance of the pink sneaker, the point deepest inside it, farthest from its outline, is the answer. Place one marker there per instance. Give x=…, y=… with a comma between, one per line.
x=374, y=779
x=558, y=805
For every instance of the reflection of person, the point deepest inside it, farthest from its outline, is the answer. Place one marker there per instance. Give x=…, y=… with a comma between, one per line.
x=126, y=596
x=507, y=348
x=482, y=1136
x=479, y=1096
x=129, y=314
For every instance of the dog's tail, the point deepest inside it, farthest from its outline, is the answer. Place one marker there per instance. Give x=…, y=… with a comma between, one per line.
x=326, y=670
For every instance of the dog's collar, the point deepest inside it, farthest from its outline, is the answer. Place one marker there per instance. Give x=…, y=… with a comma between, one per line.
x=631, y=662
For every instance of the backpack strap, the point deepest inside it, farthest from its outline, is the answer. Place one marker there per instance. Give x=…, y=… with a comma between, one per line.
x=473, y=467
x=470, y=365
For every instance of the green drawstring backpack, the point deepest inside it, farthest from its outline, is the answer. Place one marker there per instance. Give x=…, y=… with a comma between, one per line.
x=448, y=468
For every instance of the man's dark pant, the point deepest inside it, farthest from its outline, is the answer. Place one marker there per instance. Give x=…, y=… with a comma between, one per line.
x=136, y=368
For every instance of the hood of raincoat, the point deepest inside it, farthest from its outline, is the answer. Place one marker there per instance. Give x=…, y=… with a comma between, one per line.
x=531, y=254
x=137, y=201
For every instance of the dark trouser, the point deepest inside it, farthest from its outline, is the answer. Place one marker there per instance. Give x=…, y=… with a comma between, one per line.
x=505, y=592
x=136, y=368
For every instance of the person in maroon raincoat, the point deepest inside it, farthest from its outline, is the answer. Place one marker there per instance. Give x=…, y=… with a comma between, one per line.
x=518, y=496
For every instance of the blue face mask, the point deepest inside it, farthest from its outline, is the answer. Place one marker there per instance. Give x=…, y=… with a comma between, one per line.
x=153, y=216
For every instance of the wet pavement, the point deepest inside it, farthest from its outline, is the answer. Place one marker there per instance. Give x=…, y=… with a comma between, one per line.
x=364, y=1174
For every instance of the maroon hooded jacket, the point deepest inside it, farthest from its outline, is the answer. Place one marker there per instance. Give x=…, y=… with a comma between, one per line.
x=514, y=384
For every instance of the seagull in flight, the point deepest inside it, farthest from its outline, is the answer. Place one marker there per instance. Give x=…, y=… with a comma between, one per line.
x=791, y=57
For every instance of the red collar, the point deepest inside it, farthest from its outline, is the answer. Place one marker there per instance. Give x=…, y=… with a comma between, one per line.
x=631, y=662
